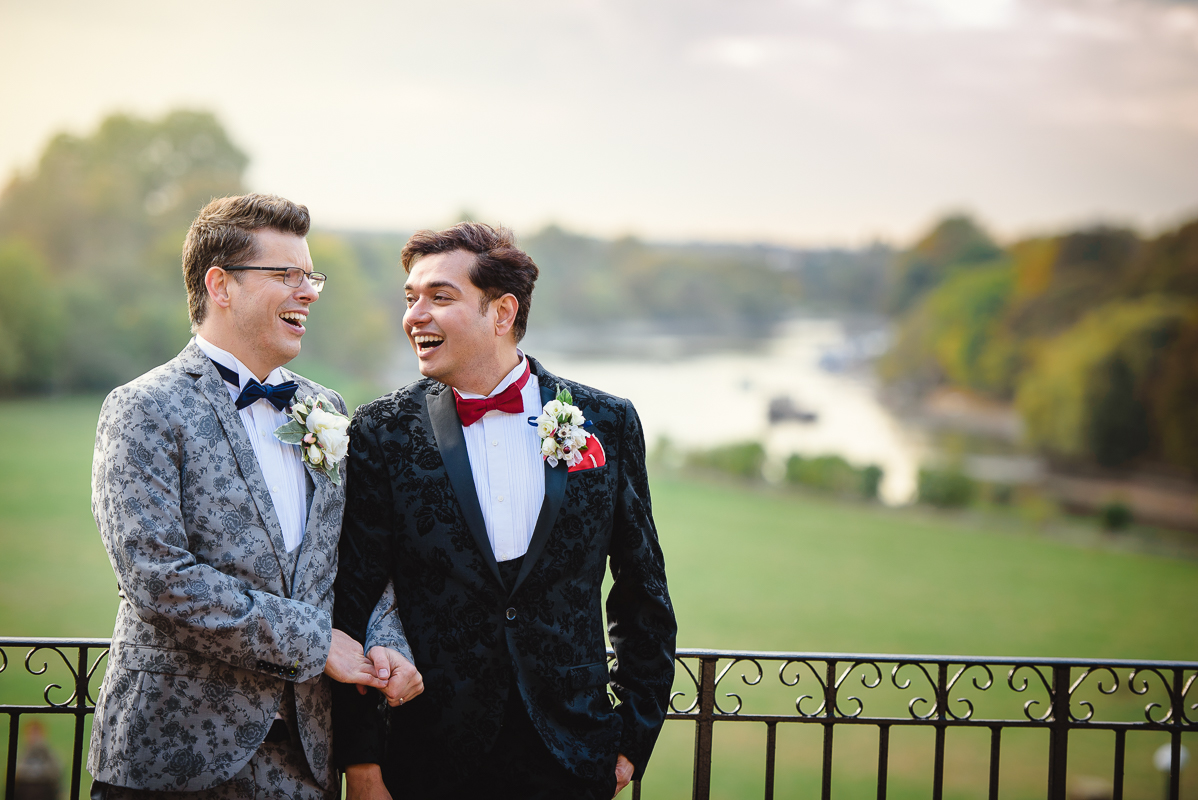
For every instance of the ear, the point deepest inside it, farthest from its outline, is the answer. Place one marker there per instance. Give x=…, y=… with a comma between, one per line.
x=505, y=314
x=217, y=282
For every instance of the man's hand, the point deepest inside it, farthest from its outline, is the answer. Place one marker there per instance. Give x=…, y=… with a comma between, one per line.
x=348, y=664
x=403, y=681
x=365, y=782
x=624, y=770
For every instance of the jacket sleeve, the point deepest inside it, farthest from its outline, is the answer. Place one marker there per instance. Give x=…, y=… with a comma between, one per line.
x=137, y=485
x=362, y=577
x=641, y=624
x=385, y=628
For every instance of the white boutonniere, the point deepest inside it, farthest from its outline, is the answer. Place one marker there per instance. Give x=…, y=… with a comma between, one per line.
x=320, y=431
x=562, y=429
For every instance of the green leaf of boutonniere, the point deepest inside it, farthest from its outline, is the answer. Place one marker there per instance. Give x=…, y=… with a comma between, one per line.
x=291, y=433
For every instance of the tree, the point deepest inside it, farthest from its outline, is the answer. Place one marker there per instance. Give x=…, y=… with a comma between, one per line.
x=1174, y=398
x=107, y=214
x=1064, y=278
x=955, y=335
x=100, y=201
x=955, y=242
x=349, y=335
x=1168, y=264
x=1088, y=392
x=31, y=320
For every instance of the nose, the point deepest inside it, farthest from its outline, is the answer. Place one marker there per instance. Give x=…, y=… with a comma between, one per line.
x=306, y=292
x=416, y=313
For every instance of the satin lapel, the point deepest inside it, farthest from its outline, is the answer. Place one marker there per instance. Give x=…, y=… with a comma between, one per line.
x=452, y=444
x=212, y=386
x=555, y=492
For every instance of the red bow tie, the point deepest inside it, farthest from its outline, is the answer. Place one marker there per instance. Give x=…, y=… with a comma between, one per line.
x=508, y=401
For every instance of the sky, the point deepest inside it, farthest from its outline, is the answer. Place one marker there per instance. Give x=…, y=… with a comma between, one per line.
x=800, y=122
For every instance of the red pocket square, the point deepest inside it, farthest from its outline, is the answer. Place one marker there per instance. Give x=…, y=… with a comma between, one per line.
x=592, y=456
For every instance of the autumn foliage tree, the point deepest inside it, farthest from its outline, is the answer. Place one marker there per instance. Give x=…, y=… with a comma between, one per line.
x=1094, y=333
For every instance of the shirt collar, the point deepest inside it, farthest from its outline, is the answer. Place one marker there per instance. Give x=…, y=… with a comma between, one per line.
x=230, y=361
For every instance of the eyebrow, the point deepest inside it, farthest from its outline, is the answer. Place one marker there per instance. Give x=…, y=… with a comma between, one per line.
x=407, y=287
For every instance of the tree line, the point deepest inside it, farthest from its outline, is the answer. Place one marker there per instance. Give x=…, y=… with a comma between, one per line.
x=90, y=242
x=1093, y=334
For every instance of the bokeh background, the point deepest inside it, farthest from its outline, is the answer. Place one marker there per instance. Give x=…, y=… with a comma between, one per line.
x=905, y=291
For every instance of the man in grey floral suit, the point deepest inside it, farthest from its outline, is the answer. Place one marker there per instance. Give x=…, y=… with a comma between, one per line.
x=224, y=540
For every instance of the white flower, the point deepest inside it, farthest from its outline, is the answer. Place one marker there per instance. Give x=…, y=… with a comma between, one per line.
x=553, y=408
x=320, y=420
x=546, y=426
x=580, y=437
x=314, y=455
x=576, y=417
x=549, y=447
x=335, y=443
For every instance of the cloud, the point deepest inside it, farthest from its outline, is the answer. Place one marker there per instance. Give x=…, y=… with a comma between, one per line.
x=932, y=14
x=797, y=120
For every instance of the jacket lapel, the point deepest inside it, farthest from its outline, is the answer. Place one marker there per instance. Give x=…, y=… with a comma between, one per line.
x=319, y=492
x=212, y=386
x=452, y=444
x=315, y=533
x=555, y=488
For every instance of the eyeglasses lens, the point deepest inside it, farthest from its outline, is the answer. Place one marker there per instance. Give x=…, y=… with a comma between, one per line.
x=295, y=276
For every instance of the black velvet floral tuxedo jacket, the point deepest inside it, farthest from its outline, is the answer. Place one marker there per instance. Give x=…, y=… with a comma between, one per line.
x=412, y=515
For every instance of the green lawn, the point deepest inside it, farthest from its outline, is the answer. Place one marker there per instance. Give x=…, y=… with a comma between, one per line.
x=749, y=569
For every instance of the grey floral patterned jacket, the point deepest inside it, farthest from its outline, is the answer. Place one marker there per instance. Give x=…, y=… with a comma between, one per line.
x=216, y=618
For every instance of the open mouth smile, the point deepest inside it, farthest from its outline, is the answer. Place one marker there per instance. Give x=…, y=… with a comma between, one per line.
x=294, y=318
x=426, y=342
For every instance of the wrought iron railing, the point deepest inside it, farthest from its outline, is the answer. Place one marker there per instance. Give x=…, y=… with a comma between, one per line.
x=829, y=690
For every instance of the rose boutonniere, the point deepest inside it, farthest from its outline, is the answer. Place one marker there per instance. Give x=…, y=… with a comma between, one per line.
x=562, y=429
x=320, y=430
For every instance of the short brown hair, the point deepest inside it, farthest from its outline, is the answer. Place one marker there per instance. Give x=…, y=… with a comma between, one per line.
x=499, y=266
x=223, y=234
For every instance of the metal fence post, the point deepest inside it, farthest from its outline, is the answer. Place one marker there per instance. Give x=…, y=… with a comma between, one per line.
x=1176, y=711
x=703, y=726
x=81, y=693
x=1058, y=733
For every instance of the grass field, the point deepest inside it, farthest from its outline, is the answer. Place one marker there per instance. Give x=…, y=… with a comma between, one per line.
x=749, y=569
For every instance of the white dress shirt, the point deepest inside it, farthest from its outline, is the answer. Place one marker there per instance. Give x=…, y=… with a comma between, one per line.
x=509, y=476
x=281, y=464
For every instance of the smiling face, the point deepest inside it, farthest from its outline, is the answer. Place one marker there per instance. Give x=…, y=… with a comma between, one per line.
x=458, y=337
x=258, y=318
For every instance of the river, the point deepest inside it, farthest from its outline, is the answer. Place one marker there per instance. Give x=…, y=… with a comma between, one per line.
x=705, y=398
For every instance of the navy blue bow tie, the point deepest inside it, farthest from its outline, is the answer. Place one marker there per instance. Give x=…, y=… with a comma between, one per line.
x=277, y=394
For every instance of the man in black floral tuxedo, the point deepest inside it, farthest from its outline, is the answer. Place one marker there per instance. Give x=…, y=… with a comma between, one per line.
x=498, y=555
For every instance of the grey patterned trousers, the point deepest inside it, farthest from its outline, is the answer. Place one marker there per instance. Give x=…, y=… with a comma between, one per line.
x=278, y=771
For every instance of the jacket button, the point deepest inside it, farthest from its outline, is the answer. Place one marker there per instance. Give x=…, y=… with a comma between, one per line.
x=511, y=613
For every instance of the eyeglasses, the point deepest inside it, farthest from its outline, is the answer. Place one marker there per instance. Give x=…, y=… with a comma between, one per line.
x=292, y=276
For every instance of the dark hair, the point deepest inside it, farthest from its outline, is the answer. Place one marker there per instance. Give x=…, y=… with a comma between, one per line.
x=499, y=266
x=223, y=233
